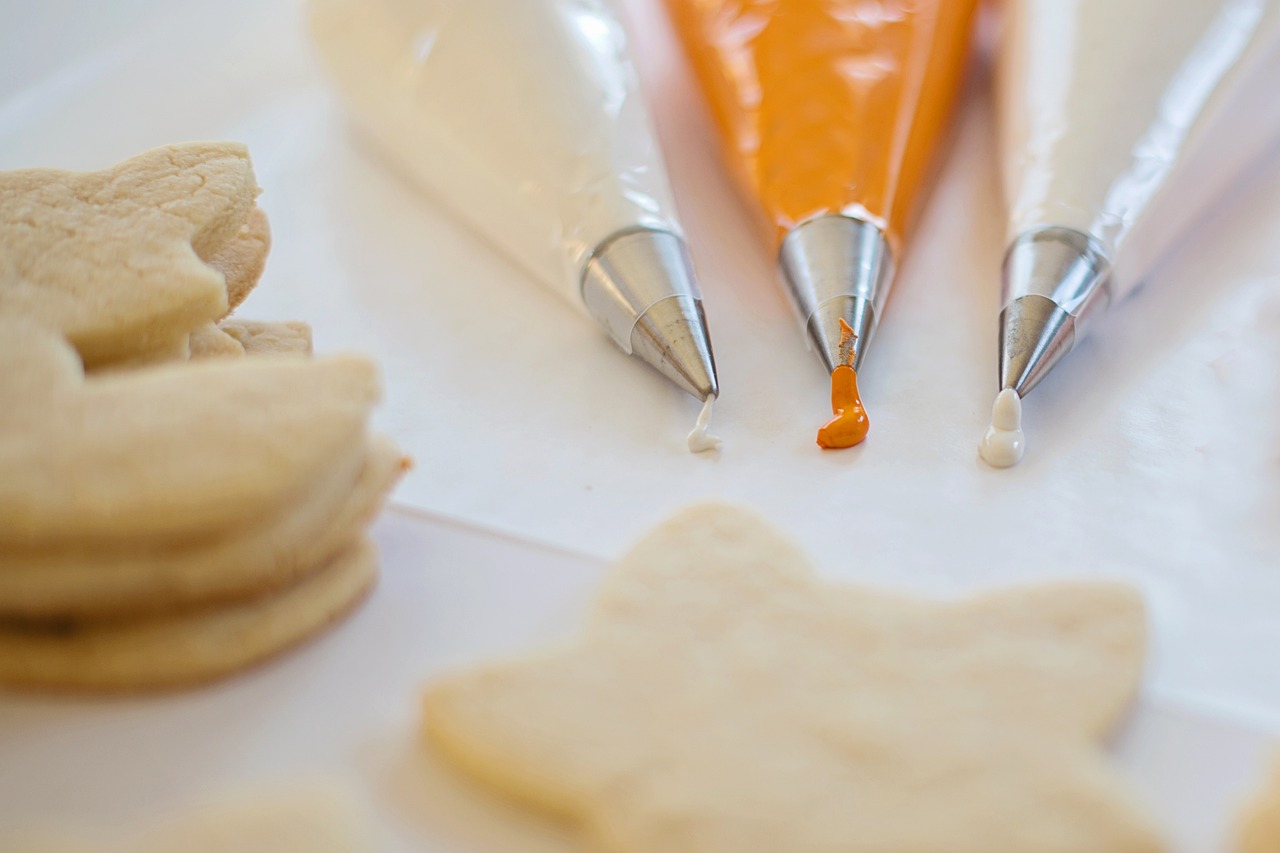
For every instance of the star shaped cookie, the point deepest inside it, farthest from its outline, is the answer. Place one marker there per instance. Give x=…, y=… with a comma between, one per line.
x=126, y=262
x=723, y=698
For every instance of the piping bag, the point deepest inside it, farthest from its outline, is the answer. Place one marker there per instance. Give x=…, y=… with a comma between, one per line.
x=1119, y=123
x=524, y=118
x=830, y=113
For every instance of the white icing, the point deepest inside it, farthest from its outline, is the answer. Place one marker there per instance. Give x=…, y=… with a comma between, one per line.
x=1003, y=443
x=700, y=441
x=525, y=118
x=1128, y=137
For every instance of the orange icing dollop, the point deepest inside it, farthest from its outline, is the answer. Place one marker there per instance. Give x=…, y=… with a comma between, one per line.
x=850, y=424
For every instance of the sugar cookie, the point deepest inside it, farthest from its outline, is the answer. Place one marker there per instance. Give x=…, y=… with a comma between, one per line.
x=243, y=258
x=211, y=341
x=170, y=509
x=1259, y=830
x=173, y=453
x=317, y=816
x=724, y=698
x=112, y=259
x=186, y=648
x=97, y=583
x=270, y=338
x=233, y=338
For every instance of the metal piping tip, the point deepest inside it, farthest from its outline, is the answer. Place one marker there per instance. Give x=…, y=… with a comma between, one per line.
x=671, y=337
x=824, y=329
x=639, y=285
x=1035, y=333
x=1055, y=279
x=837, y=266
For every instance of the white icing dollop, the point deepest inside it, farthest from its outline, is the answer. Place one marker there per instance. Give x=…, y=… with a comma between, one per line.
x=700, y=441
x=1003, y=443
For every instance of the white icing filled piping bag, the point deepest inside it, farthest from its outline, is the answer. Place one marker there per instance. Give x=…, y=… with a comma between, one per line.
x=1119, y=122
x=524, y=117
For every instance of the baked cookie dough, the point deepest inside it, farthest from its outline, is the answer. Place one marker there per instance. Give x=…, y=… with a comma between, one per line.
x=723, y=698
x=175, y=453
x=170, y=510
x=101, y=583
x=234, y=338
x=1259, y=830
x=302, y=817
x=114, y=260
x=257, y=338
x=243, y=258
x=187, y=648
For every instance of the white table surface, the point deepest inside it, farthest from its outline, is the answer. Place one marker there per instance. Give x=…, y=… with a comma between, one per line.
x=1152, y=453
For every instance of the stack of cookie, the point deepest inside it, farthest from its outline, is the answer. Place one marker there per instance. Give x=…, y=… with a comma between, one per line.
x=181, y=494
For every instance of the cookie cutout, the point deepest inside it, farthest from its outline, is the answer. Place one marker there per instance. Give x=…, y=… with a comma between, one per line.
x=186, y=648
x=724, y=698
x=244, y=258
x=257, y=338
x=234, y=338
x=112, y=260
x=317, y=816
x=210, y=341
x=174, y=453
x=99, y=583
x=1259, y=830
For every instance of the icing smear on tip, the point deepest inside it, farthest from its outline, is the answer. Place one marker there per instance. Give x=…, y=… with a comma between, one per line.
x=849, y=425
x=1003, y=443
x=700, y=440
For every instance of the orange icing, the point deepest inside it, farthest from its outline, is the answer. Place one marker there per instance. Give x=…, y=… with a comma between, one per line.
x=827, y=106
x=850, y=424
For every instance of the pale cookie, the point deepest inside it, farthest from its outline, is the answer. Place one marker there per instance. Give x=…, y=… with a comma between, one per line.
x=235, y=338
x=241, y=262
x=725, y=699
x=175, y=453
x=270, y=338
x=98, y=583
x=243, y=258
x=1259, y=830
x=112, y=259
x=310, y=817
x=186, y=648
x=210, y=341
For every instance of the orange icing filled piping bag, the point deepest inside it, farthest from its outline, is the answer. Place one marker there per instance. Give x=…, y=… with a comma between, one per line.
x=850, y=424
x=830, y=112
